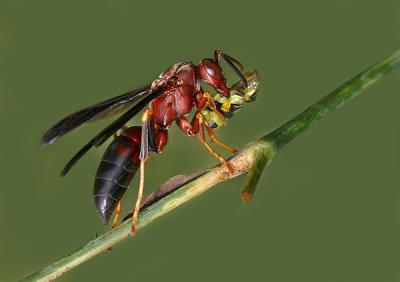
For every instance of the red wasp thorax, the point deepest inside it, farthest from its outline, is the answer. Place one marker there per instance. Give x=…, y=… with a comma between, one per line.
x=177, y=100
x=182, y=82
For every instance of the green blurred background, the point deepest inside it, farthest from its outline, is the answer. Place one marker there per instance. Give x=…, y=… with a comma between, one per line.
x=327, y=209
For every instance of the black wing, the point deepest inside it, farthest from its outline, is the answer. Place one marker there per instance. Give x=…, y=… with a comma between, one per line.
x=100, y=110
x=111, y=129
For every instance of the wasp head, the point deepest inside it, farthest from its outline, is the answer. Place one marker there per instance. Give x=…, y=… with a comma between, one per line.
x=228, y=106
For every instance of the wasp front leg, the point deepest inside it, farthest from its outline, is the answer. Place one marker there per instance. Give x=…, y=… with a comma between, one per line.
x=198, y=127
x=203, y=99
x=215, y=139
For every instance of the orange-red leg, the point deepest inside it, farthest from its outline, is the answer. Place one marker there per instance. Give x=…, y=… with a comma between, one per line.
x=214, y=139
x=207, y=98
x=117, y=215
x=208, y=147
x=139, y=199
x=185, y=125
x=143, y=156
x=116, y=218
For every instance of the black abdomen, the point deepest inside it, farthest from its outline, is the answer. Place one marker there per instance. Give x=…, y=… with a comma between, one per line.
x=117, y=168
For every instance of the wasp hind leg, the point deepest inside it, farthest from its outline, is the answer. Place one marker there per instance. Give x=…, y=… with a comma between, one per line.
x=117, y=215
x=119, y=207
x=116, y=219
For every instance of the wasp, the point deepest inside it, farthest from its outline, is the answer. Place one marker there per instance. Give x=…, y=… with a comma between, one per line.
x=170, y=98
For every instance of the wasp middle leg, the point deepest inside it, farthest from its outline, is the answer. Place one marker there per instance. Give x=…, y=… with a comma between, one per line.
x=153, y=139
x=144, y=152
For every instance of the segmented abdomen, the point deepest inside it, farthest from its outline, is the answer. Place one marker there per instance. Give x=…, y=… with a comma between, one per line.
x=116, y=170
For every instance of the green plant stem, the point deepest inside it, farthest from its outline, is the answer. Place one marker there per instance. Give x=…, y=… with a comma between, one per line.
x=241, y=163
x=291, y=129
x=259, y=152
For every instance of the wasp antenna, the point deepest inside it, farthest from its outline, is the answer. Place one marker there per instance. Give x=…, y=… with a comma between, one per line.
x=233, y=63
